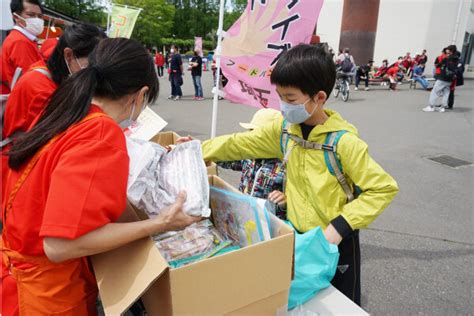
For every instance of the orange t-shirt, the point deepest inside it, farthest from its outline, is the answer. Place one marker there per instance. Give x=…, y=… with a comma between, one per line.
x=27, y=100
x=17, y=51
x=25, y=103
x=78, y=185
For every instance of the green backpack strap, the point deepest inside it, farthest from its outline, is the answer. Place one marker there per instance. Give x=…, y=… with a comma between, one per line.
x=284, y=137
x=334, y=164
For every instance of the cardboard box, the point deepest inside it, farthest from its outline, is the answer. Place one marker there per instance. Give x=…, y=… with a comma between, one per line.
x=254, y=280
x=170, y=138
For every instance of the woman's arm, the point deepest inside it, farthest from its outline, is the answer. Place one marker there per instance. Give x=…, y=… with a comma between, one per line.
x=115, y=235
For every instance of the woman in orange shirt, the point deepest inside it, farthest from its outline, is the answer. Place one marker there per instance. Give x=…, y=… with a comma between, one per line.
x=67, y=184
x=34, y=88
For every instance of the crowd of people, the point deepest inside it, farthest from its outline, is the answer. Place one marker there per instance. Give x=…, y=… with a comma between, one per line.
x=448, y=74
x=173, y=61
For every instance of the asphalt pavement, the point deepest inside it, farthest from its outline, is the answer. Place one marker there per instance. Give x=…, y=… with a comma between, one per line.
x=417, y=256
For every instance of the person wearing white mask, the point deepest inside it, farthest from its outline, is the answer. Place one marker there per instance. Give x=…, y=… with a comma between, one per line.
x=67, y=186
x=331, y=180
x=20, y=49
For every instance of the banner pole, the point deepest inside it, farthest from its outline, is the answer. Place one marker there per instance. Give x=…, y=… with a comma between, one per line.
x=109, y=13
x=217, y=55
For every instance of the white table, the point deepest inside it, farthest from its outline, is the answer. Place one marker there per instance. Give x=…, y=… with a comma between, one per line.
x=329, y=302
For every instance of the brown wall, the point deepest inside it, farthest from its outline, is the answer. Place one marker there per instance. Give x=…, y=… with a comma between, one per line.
x=359, y=27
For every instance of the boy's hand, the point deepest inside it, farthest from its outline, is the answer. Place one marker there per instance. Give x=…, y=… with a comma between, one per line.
x=184, y=140
x=332, y=236
x=278, y=197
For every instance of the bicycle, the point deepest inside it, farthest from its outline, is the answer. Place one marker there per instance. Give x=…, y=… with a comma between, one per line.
x=342, y=86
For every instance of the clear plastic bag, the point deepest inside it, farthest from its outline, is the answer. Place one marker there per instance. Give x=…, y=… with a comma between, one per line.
x=240, y=218
x=156, y=177
x=200, y=240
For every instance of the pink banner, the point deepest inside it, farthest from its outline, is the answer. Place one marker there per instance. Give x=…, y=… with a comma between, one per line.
x=198, y=45
x=266, y=29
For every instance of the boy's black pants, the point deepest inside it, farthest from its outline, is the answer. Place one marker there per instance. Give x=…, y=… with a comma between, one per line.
x=347, y=278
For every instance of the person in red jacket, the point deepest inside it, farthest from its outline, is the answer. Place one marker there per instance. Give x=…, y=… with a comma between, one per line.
x=20, y=49
x=159, y=62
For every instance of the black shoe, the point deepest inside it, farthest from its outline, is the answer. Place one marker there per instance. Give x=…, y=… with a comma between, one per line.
x=448, y=108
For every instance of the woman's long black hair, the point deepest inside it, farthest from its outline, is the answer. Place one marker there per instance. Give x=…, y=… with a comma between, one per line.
x=82, y=39
x=117, y=67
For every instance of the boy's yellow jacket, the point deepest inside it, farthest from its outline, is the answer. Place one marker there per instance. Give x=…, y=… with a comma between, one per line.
x=314, y=196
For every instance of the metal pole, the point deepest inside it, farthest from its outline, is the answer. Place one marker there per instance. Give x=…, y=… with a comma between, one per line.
x=217, y=56
x=458, y=19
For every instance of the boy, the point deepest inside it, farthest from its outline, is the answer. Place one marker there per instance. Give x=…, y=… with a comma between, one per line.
x=261, y=178
x=304, y=77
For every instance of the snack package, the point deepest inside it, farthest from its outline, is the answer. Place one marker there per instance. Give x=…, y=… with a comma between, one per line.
x=240, y=218
x=156, y=177
x=199, y=240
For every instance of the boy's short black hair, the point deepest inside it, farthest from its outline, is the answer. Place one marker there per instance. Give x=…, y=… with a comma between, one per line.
x=309, y=68
x=16, y=6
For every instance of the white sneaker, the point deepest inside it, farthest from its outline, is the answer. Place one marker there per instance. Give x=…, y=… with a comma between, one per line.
x=177, y=98
x=428, y=109
x=440, y=109
x=170, y=97
x=366, y=89
x=356, y=88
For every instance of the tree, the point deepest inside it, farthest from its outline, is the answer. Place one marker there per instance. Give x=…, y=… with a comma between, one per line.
x=237, y=8
x=154, y=22
x=84, y=10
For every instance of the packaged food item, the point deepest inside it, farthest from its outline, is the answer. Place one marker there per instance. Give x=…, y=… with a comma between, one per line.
x=240, y=218
x=196, y=242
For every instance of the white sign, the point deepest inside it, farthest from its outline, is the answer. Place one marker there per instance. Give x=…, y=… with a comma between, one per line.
x=148, y=125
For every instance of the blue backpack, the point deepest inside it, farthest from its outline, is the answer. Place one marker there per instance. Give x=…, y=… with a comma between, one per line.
x=330, y=157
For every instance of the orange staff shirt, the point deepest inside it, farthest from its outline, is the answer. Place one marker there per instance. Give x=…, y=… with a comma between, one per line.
x=78, y=185
x=17, y=51
x=27, y=100
x=25, y=103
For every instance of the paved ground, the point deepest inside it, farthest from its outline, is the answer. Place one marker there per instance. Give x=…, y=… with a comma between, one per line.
x=418, y=255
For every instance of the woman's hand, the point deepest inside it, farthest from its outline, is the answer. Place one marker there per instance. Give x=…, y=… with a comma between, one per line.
x=173, y=217
x=279, y=198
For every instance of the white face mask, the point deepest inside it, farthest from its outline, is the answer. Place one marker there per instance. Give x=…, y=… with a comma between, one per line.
x=172, y=51
x=33, y=25
x=69, y=68
x=295, y=113
x=130, y=121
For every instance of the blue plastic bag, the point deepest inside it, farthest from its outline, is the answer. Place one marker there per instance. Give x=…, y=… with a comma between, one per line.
x=315, y=265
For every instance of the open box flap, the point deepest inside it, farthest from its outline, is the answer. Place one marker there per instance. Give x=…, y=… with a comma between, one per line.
x=125, y=273
x=165, y=138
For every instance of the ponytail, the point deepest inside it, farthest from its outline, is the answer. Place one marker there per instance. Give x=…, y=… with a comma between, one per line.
x=69, y=105
x=117, y=67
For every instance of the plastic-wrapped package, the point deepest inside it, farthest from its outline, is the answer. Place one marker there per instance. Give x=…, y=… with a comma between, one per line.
x=156, y=177
x=200, y=240
x=240, y=218
x=183, y=168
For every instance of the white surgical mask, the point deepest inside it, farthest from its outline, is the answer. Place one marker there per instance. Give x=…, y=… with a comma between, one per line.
x=130, y=121
x=69, y=68
x=172, y=51
x=295, y=113
x=33, y=25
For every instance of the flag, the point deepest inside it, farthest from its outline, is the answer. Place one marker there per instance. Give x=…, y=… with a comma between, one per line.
x=254, y=43
x=123, y=21
x=198, y=45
